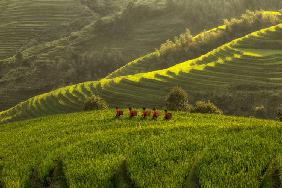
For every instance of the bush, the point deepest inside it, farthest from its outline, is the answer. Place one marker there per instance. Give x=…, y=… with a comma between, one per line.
x=177, y=100
x=279, y=113
x=260, y=111
x=95, y=103
x=206, y=107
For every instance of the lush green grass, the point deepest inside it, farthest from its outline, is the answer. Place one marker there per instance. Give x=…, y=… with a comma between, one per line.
x=238, y=62
x=95, y=150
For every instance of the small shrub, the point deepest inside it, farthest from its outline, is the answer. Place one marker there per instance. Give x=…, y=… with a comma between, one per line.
x=260, y=111
x=279, y=113
x=177, y=100
x=95, y=103
x=206, y=107
x=188, y=108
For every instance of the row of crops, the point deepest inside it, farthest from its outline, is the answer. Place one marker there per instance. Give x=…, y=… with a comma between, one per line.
x=93, y=148
x=239, y=62
x=140, y=65
x=25, y=21
x=21, y=21
x=147, y=63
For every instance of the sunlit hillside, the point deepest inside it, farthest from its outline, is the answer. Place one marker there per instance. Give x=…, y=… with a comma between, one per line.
x=78, y=41
x=187, y=46
x=243, y=61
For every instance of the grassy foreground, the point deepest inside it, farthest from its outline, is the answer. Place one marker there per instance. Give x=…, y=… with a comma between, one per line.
x=94, y=150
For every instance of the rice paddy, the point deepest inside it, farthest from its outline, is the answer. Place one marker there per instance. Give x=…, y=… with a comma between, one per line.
x=242, y=61
x=93, y=149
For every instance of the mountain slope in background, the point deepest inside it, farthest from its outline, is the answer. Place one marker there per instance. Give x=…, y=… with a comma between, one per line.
x=95, y=45
x=253, y=61
x=22, y=21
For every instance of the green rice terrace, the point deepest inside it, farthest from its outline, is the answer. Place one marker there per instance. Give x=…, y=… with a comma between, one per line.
x=23, y=20
x=93, y=149
x=71, y=28
x=147, y=63
x=242, y=61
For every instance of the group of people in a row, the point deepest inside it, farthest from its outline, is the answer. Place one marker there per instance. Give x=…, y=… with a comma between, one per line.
x=155, y=114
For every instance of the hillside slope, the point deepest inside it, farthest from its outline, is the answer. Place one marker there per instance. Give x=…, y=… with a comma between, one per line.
x=186, y=46
x=117, y=33
x=89, y=53
x=253, y=60
x=21, y=21
x=94, y=150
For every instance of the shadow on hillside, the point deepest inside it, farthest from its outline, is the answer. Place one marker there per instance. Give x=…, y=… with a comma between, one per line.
x=271, y=175
x=1, y=174
x=192, y=179
x=55, y=179
x=121, y=178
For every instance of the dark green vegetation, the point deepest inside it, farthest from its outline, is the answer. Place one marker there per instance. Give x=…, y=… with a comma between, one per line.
x=177, y=100
x=272, y=174
x=94, y=150
x=71, y=42
x=252, y=63
x=55, y=177
x=95, y=103
x=206, y=107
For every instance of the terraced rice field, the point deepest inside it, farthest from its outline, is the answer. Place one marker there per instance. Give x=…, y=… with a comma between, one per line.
x=255, y=59
x=95, y=150
x=146, y=64
x=23, y=20
x=140, y=65
x=87, y=39
x=31, y=18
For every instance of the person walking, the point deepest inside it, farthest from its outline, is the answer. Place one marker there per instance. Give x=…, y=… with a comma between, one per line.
x=145, y=113
x=156, y=114
x=132, y=113
x=168, y=116
x=119, y=112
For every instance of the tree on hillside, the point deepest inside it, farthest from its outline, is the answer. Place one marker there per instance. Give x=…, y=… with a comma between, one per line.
x=279, y=113
x=95, y=103
x=260, y=111
x=177, y=100
x=206, y=107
